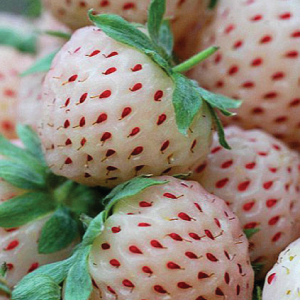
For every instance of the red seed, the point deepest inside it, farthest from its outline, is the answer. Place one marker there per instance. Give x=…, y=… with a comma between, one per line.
x=145, y=204
x=136, y=87
x=82, y=122
x=128, y=5
x=128, y=283
x=209, y=234
x=134, y=131
x=198, y=207
x=109, y=71
x=227, y=164
x=161, y=119
x=173, y=266
x=202, y=275
x=219, y=292
x=83, y=97
x=66, y=124
x=271, y=278
x=33, y=267
x=183, y=285
x=191, y=255
x=227, y=278
x=251, y=225
x=137, y=151
x=111, y=290
x=115, y=263
x=170, y=196
x=111, y=54
x=165, y=146
x=72, y=78
x=211, y=257
x=221, y=183
x=243, y=186
x=102, y=118
x=268, y=185
x=271, y=202
x=248, y=206
x=116, y=229
x=274, y=220
x=106, y=136
x=160, y=289
x=176, y=237
x=158, y=95
x=144, y=225
x=135, y=250
x=95, y=52
x=156, y=244
x=105, y=94
x=195, y=236
x=68, y=142
x=147, y=270
x=68, y=161
x=276, y=237
x=137, y=68
x=105, y=246
x=127, y=111
x=184, y=216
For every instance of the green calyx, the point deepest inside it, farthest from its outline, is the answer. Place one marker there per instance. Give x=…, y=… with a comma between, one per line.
x=188, y=97
x=74, y=270
x=41, y=194
x=4, y=288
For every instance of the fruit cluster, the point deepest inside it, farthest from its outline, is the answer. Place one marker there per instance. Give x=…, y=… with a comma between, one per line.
x=117, y=178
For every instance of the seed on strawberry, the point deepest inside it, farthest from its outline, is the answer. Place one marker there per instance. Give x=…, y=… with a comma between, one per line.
x=163, y=258
x=259, y=180
x=127, y=118
x=260, y=67
x=282, y=282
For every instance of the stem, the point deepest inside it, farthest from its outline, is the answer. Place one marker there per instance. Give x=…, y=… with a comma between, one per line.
x=195, y=60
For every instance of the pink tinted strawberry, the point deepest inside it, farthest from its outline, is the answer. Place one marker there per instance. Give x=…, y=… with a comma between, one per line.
x=259, y=179
x=282, y=282
x=258, y=62
x=12, y=63
x=108, y=115
x=74, y=12
x=172, y=241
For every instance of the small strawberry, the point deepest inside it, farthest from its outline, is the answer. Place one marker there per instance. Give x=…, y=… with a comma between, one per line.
x=282, y=282
x=258, y=62
x=74, y=12
x=259, y=179
x=115, y=108
x=158, y=238
x=12, y=63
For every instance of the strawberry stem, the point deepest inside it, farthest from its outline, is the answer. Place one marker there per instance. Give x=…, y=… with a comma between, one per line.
x=195, y=60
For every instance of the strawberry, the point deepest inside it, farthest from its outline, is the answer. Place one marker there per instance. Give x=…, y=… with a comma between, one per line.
x=282, y=282
x=12, y=64
x=260, y=67
x=74, y=12
x=158, y=238
x=259, y=180
x=114, y=108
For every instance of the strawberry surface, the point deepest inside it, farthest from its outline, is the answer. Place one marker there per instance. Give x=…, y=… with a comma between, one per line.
x=258, y=62
x=259, y=180
x=172, y=241
x=108, y=115
x=74, y=12
x=282, y=282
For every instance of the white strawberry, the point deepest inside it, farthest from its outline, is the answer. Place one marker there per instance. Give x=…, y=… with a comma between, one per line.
x=259, y=179
x=282, y=282
x=108, y=115
x=74, y=12
x=172, y=241
x=12, y=64
x=258, y=62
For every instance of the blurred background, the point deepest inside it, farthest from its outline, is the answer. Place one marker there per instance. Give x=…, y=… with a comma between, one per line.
x=16, y=6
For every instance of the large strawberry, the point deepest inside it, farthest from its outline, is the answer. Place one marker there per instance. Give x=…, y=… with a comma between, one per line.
x=158, y=238
x=282, y=282
x=74, y=12
x=259, y=179
x=115, y=108
x=258, y=62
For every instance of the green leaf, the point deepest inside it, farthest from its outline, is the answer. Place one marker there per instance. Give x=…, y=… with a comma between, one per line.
x=218, y=101
x=96, y=226
x=257, y=293
x=33, y=8
x=219, y=126
x=41, y=65
x=213, y=4
x=122, y=31
x=128, y=189
x=31, y=141
x=157, y=10
x=58, y=232
x=186, y=101
x=25, y=208
x=24, y=43
x=21, y=176
x=4, y=288
x=39, y=287
x=166, y=39
x=79, y=283
x=250, y=232
x=3, y=270
x=59, y=34
x=15, y=153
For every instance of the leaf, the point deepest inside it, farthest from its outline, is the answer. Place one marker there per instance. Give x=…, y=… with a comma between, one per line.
x=220, y=129
x=34, y=8
x=31, y=141
x=166, y=39
x=95, y=227
x=250, y=232
x=59, y=34
x=128, y=189
x=156, y=13
x=25, y=208
x=213, y=4
x=3, y=270
x=58, y=232
x=186, y=101
x=79, y=283
x=39, y=287
x=257, y=293
x=218, y=101
x=4, y=288
x=21, y=42
x=15, y=153
x=21, y=176
x=41, y=65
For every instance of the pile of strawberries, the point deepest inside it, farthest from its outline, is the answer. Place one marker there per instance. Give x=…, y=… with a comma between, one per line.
x=118, y=180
